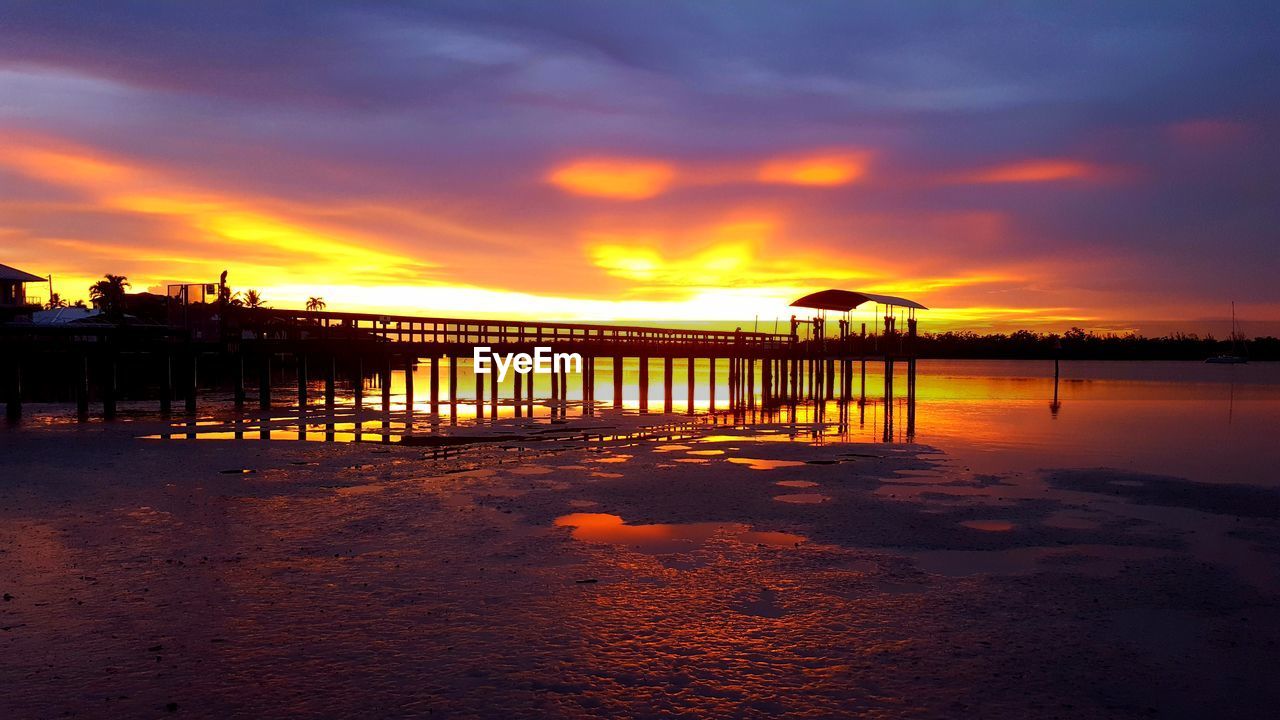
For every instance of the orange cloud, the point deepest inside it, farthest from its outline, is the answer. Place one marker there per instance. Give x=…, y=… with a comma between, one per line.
x=1033, y=171
x=822, y=169
x=618, y=178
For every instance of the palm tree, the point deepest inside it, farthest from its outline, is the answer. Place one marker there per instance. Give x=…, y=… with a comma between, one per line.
x=55, y=302
x=315, y=304
x=108, y=293
x=253, y=299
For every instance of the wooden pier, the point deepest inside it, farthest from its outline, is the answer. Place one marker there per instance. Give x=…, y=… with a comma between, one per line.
x=229, y=347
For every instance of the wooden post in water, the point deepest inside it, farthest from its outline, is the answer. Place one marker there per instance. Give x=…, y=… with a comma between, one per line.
x=192, y=379
x=751, y=382
x=711, y=381
x=766, y=380
x=453, y=390
x=690, y=390
x=667, y=400
x=644, y=384
x=830, y=378
x=264, y=381
x=617, y=382
x=435, y=385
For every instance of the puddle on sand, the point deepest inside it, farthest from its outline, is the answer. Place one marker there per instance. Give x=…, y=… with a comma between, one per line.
x=763, y=464
x=705, y=452
x=802, y=498
x=662, y=538
x=796, y=484
x=988, y=525
x=671, y=448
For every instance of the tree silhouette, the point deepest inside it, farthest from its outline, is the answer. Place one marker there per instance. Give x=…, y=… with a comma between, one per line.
x=315, y=304
x=108, y=293
x=253, y=299
x=55, y=302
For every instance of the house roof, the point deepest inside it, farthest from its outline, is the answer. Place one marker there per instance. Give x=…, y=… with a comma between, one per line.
x=12, y=274
x=846, y=300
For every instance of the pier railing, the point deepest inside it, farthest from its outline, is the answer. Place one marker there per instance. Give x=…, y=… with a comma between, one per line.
x=293, y=325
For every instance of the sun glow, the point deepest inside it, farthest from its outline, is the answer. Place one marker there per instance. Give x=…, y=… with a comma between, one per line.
x=825, y=169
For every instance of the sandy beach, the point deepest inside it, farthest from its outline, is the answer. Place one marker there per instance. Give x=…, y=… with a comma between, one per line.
x=728, y=571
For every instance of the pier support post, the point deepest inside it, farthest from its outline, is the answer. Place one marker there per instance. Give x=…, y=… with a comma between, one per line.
x=529, y=387
x=617, y=382
x=588, y=385
x=766, y=380
x=751, y=382
x=644, y=384
x=689, y=390
x=409, y=363
x=711, y=381
x=667, y=400
x=264, y=382
x=453, y=390
x=435, y=385
x=385, y=380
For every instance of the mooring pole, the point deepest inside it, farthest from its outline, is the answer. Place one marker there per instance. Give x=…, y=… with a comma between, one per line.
x=479, y=393
x=357, y=385
x=264, y=381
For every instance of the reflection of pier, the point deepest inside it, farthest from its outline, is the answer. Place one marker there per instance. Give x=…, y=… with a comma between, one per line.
x=363, y=350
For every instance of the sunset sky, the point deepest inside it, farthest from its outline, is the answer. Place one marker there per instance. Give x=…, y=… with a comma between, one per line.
x=1109, y=165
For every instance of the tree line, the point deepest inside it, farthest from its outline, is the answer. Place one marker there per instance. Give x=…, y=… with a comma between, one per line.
x=1078, y=344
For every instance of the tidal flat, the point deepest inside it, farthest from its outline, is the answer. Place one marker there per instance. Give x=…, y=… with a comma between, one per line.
x=622, y=573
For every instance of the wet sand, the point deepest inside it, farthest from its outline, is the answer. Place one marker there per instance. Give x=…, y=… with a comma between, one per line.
x=721, y=572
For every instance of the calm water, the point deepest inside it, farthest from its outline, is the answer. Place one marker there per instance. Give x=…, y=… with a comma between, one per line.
x=1212, y=423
